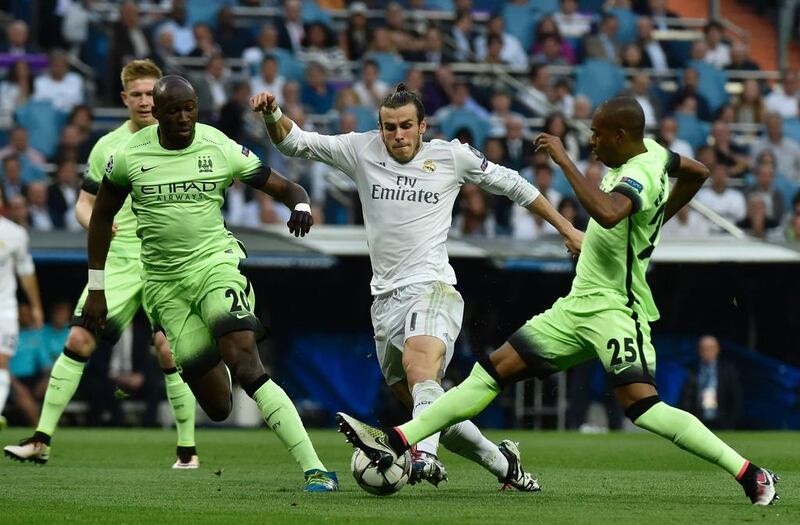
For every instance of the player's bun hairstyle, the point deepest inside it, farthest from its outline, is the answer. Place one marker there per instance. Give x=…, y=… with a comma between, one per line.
x=137, y=70
x=402, y=97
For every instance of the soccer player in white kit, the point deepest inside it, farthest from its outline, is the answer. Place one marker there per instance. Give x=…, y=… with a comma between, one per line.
x=15, y=261
x=407, y=188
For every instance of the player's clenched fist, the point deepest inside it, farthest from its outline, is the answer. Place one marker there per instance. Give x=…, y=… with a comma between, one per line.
x=300, y=221
x=95, y=312
x=552, y=146
x=263, y=102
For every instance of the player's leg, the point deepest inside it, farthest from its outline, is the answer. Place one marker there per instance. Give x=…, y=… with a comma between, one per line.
x=227, y=308
x=181, y=401
x=5, y=376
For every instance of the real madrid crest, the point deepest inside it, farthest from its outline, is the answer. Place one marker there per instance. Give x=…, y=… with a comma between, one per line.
x=429, y=166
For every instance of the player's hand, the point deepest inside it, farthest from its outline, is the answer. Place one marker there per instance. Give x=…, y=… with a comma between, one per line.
x=551, y=145
x=263, y=103
x=300, y=223
x=573, y=240
x=95, y=312
x=38, y=317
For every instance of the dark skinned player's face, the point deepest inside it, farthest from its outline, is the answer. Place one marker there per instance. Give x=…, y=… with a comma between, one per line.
x=177, y=117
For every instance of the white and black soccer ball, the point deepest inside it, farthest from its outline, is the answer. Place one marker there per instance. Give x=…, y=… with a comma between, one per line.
x=380, y=482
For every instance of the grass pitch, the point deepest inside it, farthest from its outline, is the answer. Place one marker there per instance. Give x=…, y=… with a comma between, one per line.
x=246, y=476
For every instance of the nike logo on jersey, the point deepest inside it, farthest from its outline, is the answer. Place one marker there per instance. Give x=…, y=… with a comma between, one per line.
x=145, y=170
x=241, y=316
x=620, y=370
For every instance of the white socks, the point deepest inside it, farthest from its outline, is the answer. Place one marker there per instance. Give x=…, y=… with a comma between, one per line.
x=424, y=394
x=5, y=385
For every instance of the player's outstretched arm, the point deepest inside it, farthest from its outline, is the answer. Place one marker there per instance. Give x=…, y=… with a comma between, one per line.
x=573, y=237
x=691, y=175
x=295, y=198
x=605, y=208
x=278, y=125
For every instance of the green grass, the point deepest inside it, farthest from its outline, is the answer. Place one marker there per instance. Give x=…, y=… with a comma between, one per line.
x=123, y=476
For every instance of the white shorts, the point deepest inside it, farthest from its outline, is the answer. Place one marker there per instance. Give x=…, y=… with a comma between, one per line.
x=9, y=336
x=433, y=308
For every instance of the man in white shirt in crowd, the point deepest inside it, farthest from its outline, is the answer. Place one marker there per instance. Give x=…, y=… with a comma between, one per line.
x=371, y=90
x=60, y=86
x=571, y=23
x=727, y=202
x=269, y=78
x=784, y=97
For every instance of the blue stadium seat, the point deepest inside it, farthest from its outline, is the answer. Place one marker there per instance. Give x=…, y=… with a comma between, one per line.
x=791, y=128
x=692, y=129
x=289, y=66
x=627, y=25
x=366, y=119
x=312, y=12
x=599, y=80
x=205, y=12
x=521, y=22
x=591, y=6
x=787, y=187
x=459, y=119
x=545, y=7
x=393, y=68
x=43, y=122
x=712, y=83
x=441, y=5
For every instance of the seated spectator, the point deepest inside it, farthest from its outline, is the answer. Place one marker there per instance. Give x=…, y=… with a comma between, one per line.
x=371, y=90
x=17, y=39
x=740, y=58
x=494, y=51
x=686, y=224
x=212, y=88
x=632, y=56
x=32, y=162
x=319, y=45
x=537, y=94
x=461, y=100
x=83, y=119
x=783, y=97
x=691, y=81
x=415, y=81
x=205, y=45
x=512, y=52
x=292, y=93
x=571, y=23
x=437, y=92
x=653, y=53
x=561, y=97
x=667, y=136
x=62, y=195
x=603, y=44
x=178, y=25
x=129, y=40
x=73, y=146
x=764, y=187
x=713, y=392
x=232, y=40
x=354, y=40
x=17, y=210
x=402, y=37
x=165, y=56
x=569, y=208
x=16, y=88
x=705, y=155
x=501, y=112
x=550, y=52
x=317, y=93
x=237, y=120
x=266, y=45
x=556, y=125
x=547, y=27
x=582, y=108
x=12, y=184
x=756, y=223
x=58, y=85
x=269, y=79
x=785, y=150
x=750, y=107
x=524, y=224
x=40, y=220
x=641, y=91
x=518, y=146
x=727, y=151
x=718, y=53
x=464, y=36
x=473, y=216
x=725, y=201
x=291, y=29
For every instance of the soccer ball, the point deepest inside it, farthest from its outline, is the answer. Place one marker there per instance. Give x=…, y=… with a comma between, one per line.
x=380, y=482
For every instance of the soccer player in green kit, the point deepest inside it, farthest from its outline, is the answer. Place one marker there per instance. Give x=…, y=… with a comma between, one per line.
x=123, y=276
x=606, y=314
x=176, y=173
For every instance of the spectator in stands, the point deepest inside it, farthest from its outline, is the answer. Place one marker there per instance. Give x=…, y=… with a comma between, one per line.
x=640, y=90
x=317, y=93
x=164, y=54
x=233, y=40
x=658, y=12
x=785, y=150
x=17, y=210
x=571, y=23
x=464, y=36
x=437, y=93
x=236, y=119
x=582, y=108
x=718, y=52
x=550, y=52
x=501, y=112
x=686, y=224
x=415, y=81
x=12, y=177
x=269, y=79
x=211, y=87
x=571, y=210
x=727, y=151
x=537, y=95
x=555, y=124
x=434, y=50
x=720, y=198
x=764, y=187
x=402, y=38
x=290, y=28
x=82, y=118
x=603, y=44
x=266, y=44
x=632, y=56
x=494, y=50
x=783, y=98
x=689, y=88
x=73, y=146
x=473, y=217
x=62, y=195
x=129, y=40
x=712, y=391
x=512, y=52
x=371, y=90
x=205, y=46
x=17, y=39
x=756, y=223
x=292, y=93
x=40, y=220
x=519, y=147
x=33, y=161
x=654, y=55
x=524, y=224
x=241, y=206
x=177, y=23
x=705, y=155
x=319, y=45
x=59, y=86
x=461, y=100
x=547, y=27
x=16, y=88
x=750, y=108
x=354, y=40
x=740, y=58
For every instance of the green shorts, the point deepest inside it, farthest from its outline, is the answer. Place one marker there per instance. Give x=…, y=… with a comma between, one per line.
x=196, y=310
x=578, y=328
x=123, y=296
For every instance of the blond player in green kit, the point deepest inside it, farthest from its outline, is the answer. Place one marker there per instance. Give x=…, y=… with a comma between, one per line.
x=123, y=276
x=606, y=314
x=176, y=174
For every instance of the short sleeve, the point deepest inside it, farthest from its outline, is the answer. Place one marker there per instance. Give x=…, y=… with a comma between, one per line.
x=635, y=184
x=115, y=170
x=244, y=164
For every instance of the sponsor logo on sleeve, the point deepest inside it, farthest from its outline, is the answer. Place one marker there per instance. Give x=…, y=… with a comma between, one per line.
x=633, y=183
x=484, y=164
x=109, y=165
x=245, y=151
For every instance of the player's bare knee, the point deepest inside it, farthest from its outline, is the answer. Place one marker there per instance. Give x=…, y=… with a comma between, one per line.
x=81, y=341
x=163, y=352
x=240, y=353
x=219, y=410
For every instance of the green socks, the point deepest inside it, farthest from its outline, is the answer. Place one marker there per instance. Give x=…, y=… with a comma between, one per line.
x=182, y=402
x=282, y=417
x=457, y=404
x=64, y=380
x=686, y=431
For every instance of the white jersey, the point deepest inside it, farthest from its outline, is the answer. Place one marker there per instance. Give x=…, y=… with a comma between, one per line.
x=14, y=260
x=408, y=207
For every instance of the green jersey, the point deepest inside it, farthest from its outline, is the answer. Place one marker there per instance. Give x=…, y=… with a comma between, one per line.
x=125, y=243
x=177, y=196
x=614, y=261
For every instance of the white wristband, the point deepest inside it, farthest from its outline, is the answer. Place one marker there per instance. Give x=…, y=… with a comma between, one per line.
x=273, y=117
x=97, y=280
x=303, y=206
